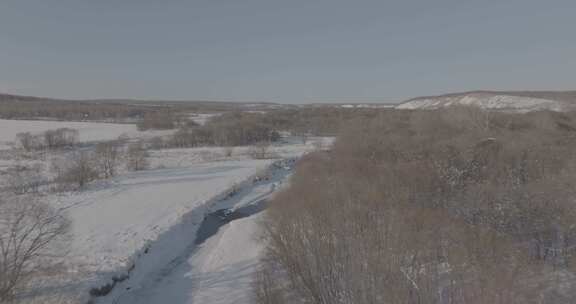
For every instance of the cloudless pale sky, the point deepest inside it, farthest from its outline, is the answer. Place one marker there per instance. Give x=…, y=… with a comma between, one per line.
x=284, y=51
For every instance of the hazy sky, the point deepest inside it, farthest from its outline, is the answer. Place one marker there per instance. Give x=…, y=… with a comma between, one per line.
x=287, y=51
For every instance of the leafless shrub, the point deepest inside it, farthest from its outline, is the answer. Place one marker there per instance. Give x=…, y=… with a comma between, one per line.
x=265, y=287
x=60, y=138
x=107, y=156
x=78, y=170
x=159, y=120
x=23, y=179
x=136, y=157
x=27, y=141
x=28, y=233
x=49, y=139
x=192, y=137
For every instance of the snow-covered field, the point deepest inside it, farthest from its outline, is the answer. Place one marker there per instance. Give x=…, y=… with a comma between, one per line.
x=142, y=220
x=144, y=224
x=111, y=223
x=88, y=131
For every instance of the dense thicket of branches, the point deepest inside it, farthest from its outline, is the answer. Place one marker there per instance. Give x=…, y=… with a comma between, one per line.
x=29, y=233
x=136, y=157
x=322, y=120
x=49, y=139
x=78, y=168
x=229, y=129
x=452, y=206
x=158, y=120
x=248, y=128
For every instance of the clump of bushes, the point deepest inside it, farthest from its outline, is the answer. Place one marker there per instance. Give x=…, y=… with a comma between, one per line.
x=24, y=179
x=230, y=129
x=447, y=206
x=103, y=162
x=77, y=170
x=50, y=139
x=136, y=157
x=159, y=120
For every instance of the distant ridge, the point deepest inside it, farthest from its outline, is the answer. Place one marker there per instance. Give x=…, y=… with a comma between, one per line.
x=520, y=101
x=25, y=98
x=244, y=105
x=193, y=105
x=11, y=97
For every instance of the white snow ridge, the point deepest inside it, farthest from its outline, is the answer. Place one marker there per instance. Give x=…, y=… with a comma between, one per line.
x=488, y=101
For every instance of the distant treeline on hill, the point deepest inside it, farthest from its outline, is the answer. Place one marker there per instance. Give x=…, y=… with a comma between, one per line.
x=111, y=110
x=71, y=111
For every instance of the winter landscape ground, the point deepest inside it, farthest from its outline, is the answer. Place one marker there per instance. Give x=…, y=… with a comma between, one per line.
x=287, y=152
x=269, y=207
x=133, y=237
x=181, y=214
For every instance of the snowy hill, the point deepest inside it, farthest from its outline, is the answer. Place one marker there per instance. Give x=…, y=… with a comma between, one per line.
x=508, y=101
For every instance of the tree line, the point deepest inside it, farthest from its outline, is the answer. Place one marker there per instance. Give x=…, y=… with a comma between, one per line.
x=49, y=139
x=240, y=128
x=226, y=130
x=72, y=111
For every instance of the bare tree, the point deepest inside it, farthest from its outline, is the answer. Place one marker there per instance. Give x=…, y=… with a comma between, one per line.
x=78, y=170
x=28, y=232
x=160, y=120
x=60, y=138
x=265, y=288
x=26, y=141
x=136, y=157
x=107, y=157
x=23, y=179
